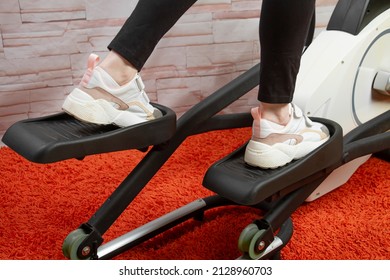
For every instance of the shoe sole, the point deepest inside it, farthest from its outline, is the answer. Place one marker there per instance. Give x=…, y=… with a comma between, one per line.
x=83, y=107
x=270, y=157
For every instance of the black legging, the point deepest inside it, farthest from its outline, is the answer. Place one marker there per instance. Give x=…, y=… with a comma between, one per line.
x=284, y=26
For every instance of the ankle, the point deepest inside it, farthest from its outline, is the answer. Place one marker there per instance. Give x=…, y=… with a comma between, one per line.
x=277, y=113
x=118, y=68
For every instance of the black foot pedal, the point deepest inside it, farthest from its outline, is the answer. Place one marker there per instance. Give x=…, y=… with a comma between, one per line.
x=59, y=137
x=233, y=179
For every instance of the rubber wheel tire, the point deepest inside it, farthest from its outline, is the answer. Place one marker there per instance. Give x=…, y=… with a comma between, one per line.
x=253, y=251
x=246, y=237
x=72, y=243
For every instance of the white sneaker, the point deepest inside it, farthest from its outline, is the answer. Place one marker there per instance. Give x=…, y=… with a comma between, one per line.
x=273, y=145
x=99, y=99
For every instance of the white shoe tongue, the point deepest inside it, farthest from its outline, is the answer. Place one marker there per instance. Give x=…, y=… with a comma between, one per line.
x=107, y=79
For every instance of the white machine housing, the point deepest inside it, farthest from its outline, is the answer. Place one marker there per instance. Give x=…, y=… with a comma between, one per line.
x=345, y=78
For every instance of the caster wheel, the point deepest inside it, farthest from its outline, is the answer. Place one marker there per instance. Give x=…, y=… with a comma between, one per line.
x=72, y=243
x=246, y=237
x=257, y=245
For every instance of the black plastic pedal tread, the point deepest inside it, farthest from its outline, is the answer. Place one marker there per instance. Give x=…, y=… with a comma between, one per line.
x=58, y=137
x=233, y=179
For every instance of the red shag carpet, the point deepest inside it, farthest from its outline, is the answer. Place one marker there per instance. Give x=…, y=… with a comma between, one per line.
x=41, y=204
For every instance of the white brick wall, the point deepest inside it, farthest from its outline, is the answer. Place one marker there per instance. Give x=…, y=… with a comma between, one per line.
x=44, y=46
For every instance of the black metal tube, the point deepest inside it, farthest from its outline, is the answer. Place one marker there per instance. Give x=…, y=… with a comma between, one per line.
x=189, y=123
x=287, y=205
x=375, y=126
x=366, y=146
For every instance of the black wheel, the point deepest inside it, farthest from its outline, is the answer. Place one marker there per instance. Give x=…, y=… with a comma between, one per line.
x=246, y=237
x=72, y=243
x=257, y=245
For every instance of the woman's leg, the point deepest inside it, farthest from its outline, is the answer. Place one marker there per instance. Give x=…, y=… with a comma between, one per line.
x=113, y=91
x=140, y=34
x=284, y=26
x=145, y=27
x=281, y=133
